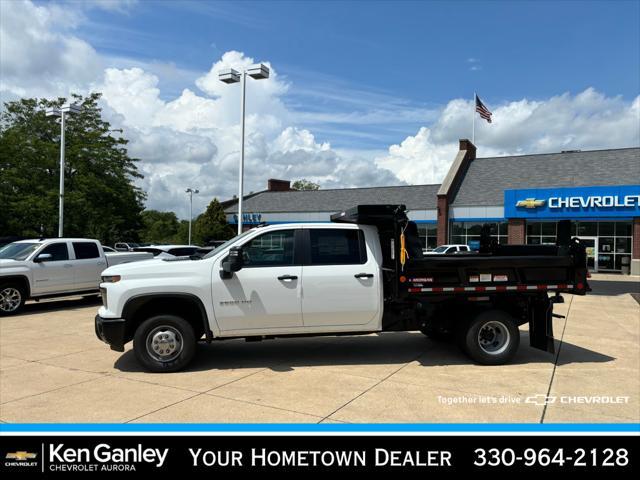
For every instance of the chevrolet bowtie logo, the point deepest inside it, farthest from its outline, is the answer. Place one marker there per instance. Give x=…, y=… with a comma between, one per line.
x=20, y=455
x=530, y=203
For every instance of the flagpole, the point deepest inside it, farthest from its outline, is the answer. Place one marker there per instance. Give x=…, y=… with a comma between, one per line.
x=473, y=131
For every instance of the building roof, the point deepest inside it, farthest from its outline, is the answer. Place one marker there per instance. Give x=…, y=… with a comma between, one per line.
x=415, y=197
x=487, y=178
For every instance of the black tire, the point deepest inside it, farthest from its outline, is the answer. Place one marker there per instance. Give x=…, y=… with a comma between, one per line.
x=12, y=298
x=491, y=338
x=148, y=343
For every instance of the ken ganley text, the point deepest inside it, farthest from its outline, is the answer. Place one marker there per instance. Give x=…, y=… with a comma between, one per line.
x=262, y=457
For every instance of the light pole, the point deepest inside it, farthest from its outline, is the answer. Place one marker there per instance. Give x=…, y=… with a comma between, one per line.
x=61, y=112
x=258, y=72
x=191, y=191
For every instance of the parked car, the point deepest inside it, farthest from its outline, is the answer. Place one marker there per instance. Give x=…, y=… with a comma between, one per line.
x=106, y=249
x=54, y=267
x=448, y=249
x=361, y=274
x=168, y=251
x=125, y=246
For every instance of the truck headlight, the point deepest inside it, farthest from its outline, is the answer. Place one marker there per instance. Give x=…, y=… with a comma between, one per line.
x=110, y=278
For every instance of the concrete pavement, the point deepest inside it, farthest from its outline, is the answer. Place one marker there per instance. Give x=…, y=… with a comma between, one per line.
x=53, y=369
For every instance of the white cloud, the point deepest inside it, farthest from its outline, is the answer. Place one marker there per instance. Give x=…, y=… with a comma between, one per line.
x=38, y=55
x=192, y=139
x=586, y=121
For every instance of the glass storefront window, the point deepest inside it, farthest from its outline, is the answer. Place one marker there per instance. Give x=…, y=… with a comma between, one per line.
x=458, y=239
x=428, y=235
x=534, y=228
x=605, y=244
x=548, y=229
x=620, y=259
x=605, y=261
x=614, y=238
x=606, y=229
x=587, y=229
x=457, y=228
x=623, y=229
x=623, y=245
x=464, y=232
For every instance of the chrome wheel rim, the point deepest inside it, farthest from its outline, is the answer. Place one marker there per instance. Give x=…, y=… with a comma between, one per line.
x=164, y=343
x=494, y=337
x=10, y=299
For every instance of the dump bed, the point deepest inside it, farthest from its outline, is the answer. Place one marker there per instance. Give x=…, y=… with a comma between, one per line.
x=496, y=268
x=477, y=273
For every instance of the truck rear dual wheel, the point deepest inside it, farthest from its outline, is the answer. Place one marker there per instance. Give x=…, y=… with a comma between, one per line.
x=164, y=343
x=491, y=338
x=12, y=299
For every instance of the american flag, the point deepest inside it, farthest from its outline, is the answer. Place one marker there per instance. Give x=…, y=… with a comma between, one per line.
x=482, y=110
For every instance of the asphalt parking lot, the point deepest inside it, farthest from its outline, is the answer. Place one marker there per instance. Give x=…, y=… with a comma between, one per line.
x=54, y=369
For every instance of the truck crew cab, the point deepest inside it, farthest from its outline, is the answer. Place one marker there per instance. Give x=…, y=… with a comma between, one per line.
x=362, y=273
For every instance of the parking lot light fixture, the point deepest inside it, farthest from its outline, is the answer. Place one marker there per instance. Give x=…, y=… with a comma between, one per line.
x=62, y=112
x=191, y=191
x=257, y=72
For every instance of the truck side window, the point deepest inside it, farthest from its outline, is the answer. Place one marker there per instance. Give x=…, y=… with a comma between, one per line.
x=58, y=252
x=272, y=249
x=84, y=250
x=337, y=247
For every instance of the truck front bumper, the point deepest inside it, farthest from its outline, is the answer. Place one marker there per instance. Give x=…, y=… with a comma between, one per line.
x=111, y=331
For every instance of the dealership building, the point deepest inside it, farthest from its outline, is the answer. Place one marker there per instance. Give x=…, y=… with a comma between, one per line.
x=522, y=197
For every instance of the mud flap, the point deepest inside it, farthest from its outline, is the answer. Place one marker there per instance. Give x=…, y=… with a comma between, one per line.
x=541, y=325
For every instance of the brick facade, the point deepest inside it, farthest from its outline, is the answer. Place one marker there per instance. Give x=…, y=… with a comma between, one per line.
x=443, y=220
x=635, y=250
x=517, y=231
x=466, y=154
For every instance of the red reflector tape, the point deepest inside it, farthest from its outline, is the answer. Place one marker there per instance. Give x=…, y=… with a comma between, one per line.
x=497, y=288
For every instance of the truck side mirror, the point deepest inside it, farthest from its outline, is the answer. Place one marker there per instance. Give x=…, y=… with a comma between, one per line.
x=234, y=262
x=43, y=257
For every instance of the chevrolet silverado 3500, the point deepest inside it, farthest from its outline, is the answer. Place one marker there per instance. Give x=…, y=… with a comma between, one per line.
x=362, y=273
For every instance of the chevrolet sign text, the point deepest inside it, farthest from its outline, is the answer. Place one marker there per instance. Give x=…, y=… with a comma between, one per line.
x=600, y=201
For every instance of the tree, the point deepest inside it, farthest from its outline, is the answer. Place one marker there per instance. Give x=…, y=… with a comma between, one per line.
x=304, y=184
x=159, y=227
x=101, y=200
x=211, y=225
x=182, y=235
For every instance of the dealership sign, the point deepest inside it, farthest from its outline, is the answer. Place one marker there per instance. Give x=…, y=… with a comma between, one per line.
x=573, y=202
x=247, y=218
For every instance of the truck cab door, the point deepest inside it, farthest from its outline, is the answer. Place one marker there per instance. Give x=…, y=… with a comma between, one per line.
x=88, y=265
x=55, y=274
x=341, y=284
x=265, y=293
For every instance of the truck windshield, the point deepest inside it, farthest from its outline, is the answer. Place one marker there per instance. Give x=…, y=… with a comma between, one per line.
x=440, y=249
x=227, y=244
x=17, y=251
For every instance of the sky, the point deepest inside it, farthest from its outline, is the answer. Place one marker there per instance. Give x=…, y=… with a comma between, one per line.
x=361, y=93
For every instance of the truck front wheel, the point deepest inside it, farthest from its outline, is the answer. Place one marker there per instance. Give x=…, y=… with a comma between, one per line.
x=164, y=343
x=12, y=298
x=492, y=338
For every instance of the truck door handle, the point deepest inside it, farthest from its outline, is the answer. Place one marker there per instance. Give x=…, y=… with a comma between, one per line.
x=287, y=277
x=100, y=263
x=363, y=275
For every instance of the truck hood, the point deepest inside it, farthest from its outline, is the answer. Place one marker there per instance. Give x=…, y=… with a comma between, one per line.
x=8, y=265
x=158, y=268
